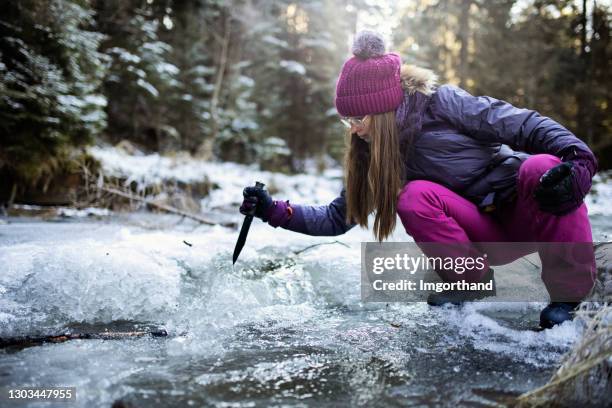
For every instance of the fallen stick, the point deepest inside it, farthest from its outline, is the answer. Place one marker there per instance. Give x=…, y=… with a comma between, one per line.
x=316, y=245
x=29, y=341
x=165, y=207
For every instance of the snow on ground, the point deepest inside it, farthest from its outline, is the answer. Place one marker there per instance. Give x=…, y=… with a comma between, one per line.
x=599, y=200
x=230, y=178
x=84, y=212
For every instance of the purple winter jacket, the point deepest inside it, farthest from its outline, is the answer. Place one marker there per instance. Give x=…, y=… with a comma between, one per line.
x=471, y=145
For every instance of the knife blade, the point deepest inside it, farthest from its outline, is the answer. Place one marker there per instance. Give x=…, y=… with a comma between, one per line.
x=244, y=230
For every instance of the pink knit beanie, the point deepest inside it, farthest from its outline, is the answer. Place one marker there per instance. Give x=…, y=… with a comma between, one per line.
x=370, y=80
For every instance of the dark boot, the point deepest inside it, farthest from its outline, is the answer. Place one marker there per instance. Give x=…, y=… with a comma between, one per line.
x=557, y=313
x=457, y=297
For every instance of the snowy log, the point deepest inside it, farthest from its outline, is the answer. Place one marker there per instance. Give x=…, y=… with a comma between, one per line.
x=29, y=341
x=164, y=207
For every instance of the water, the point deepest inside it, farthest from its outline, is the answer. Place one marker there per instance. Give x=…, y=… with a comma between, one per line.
x=281, y=327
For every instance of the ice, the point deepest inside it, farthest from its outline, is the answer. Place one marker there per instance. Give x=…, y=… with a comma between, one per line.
x=93, y=280
x=284, y=325
x=274, y=321
x=519, y=343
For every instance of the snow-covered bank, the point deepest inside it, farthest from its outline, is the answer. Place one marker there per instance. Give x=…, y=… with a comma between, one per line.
x=228, y=179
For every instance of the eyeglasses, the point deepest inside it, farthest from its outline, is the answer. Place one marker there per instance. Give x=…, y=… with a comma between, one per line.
x=352, y=121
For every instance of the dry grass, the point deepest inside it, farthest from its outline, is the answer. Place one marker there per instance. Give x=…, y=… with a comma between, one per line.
x=585, y=375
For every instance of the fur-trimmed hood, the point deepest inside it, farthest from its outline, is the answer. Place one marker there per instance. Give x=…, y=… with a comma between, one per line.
x=419, y=84
x=419, y=79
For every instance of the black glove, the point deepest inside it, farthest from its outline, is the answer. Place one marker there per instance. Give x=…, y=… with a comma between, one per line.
x=558, y=192
x=257, y=202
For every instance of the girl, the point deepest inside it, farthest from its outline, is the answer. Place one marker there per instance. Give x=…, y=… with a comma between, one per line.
x=455, y=168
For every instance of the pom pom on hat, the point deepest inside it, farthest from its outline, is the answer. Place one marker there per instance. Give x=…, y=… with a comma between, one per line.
x=368, y=44
x=369, y=82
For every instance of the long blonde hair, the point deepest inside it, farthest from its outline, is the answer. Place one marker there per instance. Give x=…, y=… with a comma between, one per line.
x=374, y=175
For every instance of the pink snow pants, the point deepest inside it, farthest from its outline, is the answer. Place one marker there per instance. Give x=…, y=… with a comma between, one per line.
x=432, y=213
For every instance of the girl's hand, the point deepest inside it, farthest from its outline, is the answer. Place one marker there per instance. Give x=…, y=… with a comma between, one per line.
x=257, y=202
x=562, y=189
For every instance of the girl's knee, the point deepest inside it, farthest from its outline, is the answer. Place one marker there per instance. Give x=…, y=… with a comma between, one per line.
x=414, y=195
x=537, y=164
x=532, y=169
x=417, y=199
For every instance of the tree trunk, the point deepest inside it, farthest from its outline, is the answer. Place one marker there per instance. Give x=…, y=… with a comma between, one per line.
x=589, y=60
x=214, y=102
x=585, y=128
x=464, y=39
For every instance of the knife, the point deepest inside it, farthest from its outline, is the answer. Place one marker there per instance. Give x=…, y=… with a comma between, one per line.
x=244, y=231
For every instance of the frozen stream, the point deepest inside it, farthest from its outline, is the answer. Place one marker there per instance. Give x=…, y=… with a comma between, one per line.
x=279, y=328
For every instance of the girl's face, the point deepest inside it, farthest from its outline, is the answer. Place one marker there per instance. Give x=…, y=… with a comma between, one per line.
x=362, y=130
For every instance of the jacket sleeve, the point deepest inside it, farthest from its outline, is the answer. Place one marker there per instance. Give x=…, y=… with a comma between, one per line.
x=322, y=220
x=493, y=120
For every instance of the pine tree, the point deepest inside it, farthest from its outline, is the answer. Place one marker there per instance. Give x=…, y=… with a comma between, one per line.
x=50, y=76
x=141, y=81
